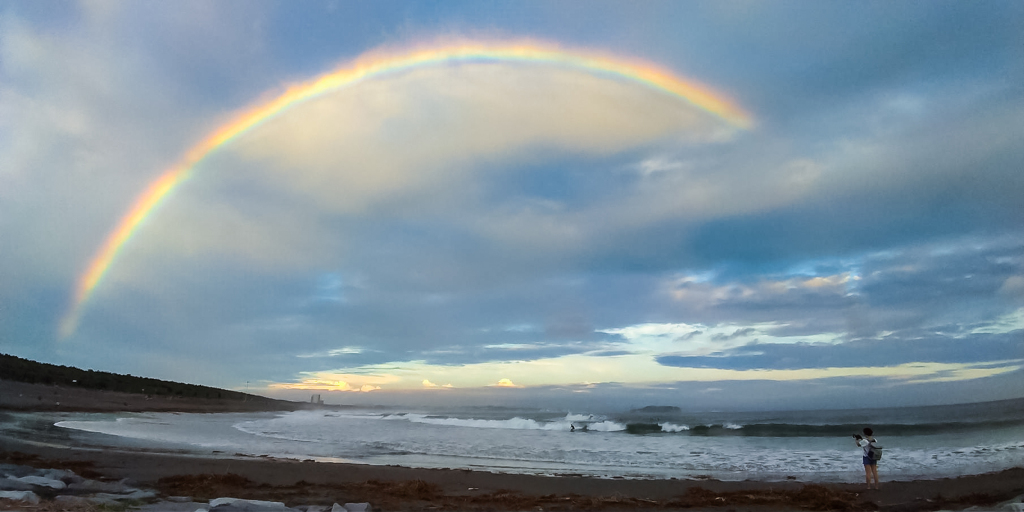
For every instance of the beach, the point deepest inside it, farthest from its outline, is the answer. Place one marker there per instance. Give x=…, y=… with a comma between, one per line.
x=402, y=488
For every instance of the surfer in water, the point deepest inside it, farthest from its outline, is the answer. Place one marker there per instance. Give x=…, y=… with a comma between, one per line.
x=572, y=428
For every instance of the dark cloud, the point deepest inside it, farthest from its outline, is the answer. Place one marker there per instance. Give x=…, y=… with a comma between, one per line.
x=689, y=335
x=826, y=55
x=891, y=350
x=952, y=279
x=610, y=353
x=735, y=334
x=934, y=207
x=935, y=276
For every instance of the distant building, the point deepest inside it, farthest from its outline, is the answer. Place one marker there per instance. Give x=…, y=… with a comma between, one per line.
x=315, y=399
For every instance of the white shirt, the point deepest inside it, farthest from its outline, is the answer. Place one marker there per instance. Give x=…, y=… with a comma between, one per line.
x=864, y=443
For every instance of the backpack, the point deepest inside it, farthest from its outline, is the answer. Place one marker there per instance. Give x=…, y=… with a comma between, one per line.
x=874, y=451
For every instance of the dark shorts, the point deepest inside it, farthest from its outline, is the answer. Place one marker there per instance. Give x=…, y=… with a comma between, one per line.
x=868, y=461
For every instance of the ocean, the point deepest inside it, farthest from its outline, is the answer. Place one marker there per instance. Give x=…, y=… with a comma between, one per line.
x=653, y=442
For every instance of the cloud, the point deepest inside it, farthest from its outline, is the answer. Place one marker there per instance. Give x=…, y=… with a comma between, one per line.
x=893, y=349
x=746, y=331
x=796, y=291
x=443, y=143
x=654, y=165
x=430, y=385
x=709, y=340
x=343, y=351
x=329, y=381
x=87, y=119
x=891, y=181
x=1013, y=286
x=995, y=355
x=452, y=223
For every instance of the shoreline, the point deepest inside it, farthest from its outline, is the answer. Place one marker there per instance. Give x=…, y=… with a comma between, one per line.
x=44, y=429
x=296, y=482
x=402, y=488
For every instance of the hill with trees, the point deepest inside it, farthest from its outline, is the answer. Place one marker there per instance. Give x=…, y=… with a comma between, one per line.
x=14, y=368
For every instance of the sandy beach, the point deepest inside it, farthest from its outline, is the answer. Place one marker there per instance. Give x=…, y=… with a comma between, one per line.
x=398, y=488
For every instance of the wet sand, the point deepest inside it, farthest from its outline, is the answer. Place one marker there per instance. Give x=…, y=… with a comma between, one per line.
x=398, y=488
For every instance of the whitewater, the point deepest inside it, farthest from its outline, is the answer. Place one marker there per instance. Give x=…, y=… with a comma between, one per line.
x=662, y=442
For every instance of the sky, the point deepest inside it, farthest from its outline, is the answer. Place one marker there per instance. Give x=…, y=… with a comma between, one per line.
x=712, y=205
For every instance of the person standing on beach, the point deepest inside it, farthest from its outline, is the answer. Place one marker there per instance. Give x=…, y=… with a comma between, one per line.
x=870, y=464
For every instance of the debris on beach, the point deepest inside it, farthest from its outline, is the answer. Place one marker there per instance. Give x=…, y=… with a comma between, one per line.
x=28, y=488
x=81, y=489
x=23, y=496
x=26, y=484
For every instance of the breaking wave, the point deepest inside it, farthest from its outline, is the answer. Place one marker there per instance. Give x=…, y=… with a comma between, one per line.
x=669, y=427
x=579, y=421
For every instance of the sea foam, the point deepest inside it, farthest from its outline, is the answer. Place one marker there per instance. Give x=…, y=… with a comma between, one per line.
x=669, y=427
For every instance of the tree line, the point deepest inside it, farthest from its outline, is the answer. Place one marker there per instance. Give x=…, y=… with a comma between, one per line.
x=24, y=370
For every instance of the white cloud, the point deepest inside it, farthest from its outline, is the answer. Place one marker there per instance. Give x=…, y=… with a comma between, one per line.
x=701, y=294
x=343, y=351
x=333, y=381
x=705, y=340
x=659, y=164
x=936, y=372
x=634, y=370
x=1012, y=321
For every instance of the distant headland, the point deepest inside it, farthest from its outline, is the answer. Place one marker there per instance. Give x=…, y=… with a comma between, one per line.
x=33, y=386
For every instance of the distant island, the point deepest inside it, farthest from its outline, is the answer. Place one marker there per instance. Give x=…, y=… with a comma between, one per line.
x=31, y=385
x=660, y=409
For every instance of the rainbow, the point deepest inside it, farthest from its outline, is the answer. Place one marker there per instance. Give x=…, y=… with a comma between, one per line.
x=372, y=65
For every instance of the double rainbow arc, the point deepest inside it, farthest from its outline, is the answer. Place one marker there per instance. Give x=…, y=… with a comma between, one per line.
x=370, y=66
